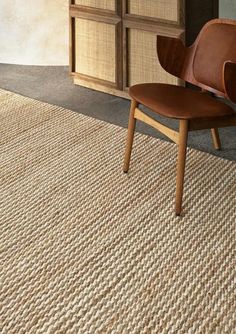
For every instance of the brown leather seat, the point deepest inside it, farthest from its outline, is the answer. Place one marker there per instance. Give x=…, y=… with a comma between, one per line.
x=178, y=102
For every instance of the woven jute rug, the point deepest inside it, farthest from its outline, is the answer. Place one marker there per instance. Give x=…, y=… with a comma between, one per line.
x=87, y=249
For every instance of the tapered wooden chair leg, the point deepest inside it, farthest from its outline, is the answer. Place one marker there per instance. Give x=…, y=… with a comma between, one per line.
x=130, y=136
x=216, y=139
x=183, y=137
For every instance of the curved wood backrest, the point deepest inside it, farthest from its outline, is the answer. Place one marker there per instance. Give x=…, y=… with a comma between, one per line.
x=210, y=63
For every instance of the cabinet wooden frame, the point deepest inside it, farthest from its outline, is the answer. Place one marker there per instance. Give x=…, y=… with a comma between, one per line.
x=103, y=16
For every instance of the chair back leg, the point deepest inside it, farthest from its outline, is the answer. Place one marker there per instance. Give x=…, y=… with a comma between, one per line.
x=216, y=139
x=182, y=150
x=130, y=136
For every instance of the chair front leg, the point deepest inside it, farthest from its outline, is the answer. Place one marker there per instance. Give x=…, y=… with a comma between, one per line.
x=216, y=139
x=183, y=137
x=130, y=136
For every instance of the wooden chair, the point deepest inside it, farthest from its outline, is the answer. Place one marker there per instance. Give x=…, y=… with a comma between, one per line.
x=210, y=63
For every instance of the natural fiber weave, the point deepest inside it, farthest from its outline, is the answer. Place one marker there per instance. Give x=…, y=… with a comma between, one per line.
x=162, y=9
x=87, y=249
x=143, y=63
x=95, y=49
x=102, y=4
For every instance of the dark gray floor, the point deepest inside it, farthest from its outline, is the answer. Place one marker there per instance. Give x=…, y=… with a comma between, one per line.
x=53, y=85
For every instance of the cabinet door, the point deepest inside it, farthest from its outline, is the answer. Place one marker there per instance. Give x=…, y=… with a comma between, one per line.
x=143, y=21
x=95, y=42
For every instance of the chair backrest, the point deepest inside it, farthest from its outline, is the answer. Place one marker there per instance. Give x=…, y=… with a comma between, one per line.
x=210, y=63
x=215, y=45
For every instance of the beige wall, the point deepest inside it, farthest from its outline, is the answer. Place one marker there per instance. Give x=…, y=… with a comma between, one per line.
x=34, y=32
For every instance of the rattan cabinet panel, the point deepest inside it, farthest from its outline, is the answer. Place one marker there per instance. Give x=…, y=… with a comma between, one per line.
x=162, y=9
x=102, y=4
x=95, y=49
x=143, y=65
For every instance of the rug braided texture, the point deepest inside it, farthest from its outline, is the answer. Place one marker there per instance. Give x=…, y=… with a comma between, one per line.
x=87, y=249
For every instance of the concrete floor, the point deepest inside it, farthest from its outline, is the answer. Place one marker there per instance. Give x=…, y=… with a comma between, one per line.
x=53, y=85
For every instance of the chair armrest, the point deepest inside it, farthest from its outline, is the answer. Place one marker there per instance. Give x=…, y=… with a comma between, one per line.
x=172, y=55
x=229, y=77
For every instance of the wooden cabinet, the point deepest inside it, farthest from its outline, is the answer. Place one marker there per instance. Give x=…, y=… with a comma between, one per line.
x=113, y=42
